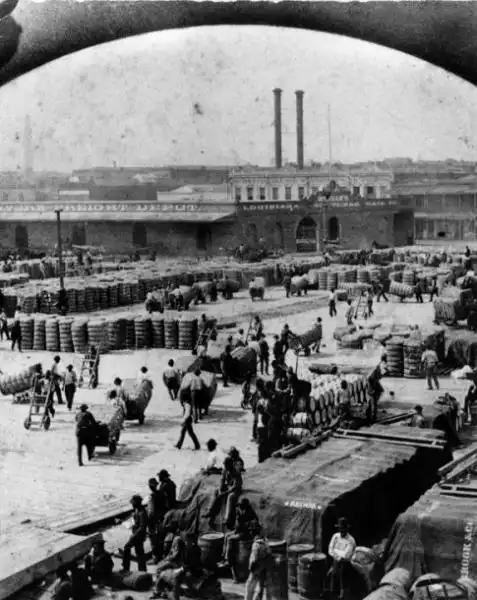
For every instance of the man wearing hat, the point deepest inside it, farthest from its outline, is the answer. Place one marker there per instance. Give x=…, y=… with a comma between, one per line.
x=85, y=433
x=167, y=489
x=99, y=563
x=138, y=537
x=341, y=550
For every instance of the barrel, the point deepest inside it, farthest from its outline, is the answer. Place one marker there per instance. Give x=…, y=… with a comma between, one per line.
x=114, y=335
x=27, y=330
x=39, y=335
x=137, y=581
x=157, y=331
x=278, y=547
x=297, y=434
x=437, y=589
x=397, y=577
x=242, y=558
x=171, y=333
x=52, y=335
x=311, y=574
x=113, y=294
x=66, y=338
x=211, y=548
x=81, y=299
x=98, y=334
x=294, y=553
x=79, y=335
x=279, y=576
x=142, y=329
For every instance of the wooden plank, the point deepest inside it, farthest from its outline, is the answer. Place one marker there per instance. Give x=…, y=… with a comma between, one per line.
x=73, y=521
x=30, y=553
x=365, y=435
x=396, y=418
x=471, y=452
x=437, y=445
x=459, y=494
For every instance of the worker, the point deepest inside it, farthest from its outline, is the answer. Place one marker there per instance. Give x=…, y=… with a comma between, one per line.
x=213, y=465
x=229, y=491
x=118, y=402
x=70, y=386
x=341, y=550
x=263, y=354
x=99, y=563
x=429, y=361
x=262, y=430
x=433, y=289
x=226, y=364
x=285, y=338
x=16, y=335
x=349, y=314
x=344, y=400
x=260, y=571
x=82, y=588
x=467, y=252
x=319, y=334
x=63, y=587
x=213, y=291
x=256, y=328
x=332, y=298
x=380, y=292
x=418, y=292
x=417, y=420
x=470, y=399
x=241, y=341
x=62, y=304
x=171, y=380
x=246, y=525
x=56, y=378
x=168, y=488
x=369, y=303
x=196, y=388
x=85, y=433
x=156, y=509
x=4, y=326
x=287, y=285
x=239, y=464
x=186, y=426
x=138, y=537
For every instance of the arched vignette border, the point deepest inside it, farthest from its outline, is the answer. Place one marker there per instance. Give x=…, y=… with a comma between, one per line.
x=442, y=33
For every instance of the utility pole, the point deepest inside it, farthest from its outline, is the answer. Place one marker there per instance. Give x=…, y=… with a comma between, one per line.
x=60, y=248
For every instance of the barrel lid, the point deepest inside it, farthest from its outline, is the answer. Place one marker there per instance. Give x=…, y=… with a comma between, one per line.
x=313, y=557
x=301, y=548
x=212, y=536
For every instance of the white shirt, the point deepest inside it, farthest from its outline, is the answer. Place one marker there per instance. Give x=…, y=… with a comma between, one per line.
x=342, y=547
x=214, y=460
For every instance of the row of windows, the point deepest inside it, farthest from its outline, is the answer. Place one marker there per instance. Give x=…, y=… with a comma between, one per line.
x=462, y=202
x=20, y=197
x=249, y=194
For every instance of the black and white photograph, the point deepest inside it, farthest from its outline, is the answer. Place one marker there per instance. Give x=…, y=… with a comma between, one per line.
x=238, y=301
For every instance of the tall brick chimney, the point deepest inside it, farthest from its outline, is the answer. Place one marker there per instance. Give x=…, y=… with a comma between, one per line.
x=300, y=159
x=278, y=127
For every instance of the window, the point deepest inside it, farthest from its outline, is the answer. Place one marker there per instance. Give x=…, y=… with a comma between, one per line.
x=238, y=194
x=250, y=194
x=314, y=191
x=5, y=196
x=288, y=195
x=356, y=190
x=370, y=190
x=262, y=194
x=301, y=192
x=275, y=194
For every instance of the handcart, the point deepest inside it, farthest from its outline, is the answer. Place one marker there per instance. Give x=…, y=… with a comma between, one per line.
x=109, y=421
x=138, y=395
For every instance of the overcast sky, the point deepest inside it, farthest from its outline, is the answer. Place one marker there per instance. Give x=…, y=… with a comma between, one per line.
x=204, y=96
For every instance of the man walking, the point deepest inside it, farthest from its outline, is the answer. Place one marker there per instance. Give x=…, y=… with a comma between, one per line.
x=85, y=433
x=381, y=293
x=186, y=427
x=319, y=334
x=56, y=378
x=332, y=303
x=138, y=537
x=429, y=362
x=70, y=386
x=264, y=355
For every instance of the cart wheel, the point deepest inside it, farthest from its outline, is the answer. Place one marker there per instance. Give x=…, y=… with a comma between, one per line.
x=46, y=423
x=27, y=423
x=141, y=419
x=112, y=447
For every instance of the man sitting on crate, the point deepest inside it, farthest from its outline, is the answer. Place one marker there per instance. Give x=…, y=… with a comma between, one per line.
x=341, y=550
x=246, y=525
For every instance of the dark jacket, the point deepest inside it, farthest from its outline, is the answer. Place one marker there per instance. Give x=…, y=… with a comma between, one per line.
x=85, y=423
x=139, y=530
x=169, y=491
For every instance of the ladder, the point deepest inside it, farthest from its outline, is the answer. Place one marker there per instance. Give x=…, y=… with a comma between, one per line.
x=361, y=310
x=89, y=366
x=38, y=408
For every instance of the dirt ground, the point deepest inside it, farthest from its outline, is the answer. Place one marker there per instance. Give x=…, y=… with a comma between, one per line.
x=39, y=476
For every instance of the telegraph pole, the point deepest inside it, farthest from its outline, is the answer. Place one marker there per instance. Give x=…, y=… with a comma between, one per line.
x=60, y=248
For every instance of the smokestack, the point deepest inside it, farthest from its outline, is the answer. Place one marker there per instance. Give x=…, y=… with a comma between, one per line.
x=299, y=129
x=278, y=127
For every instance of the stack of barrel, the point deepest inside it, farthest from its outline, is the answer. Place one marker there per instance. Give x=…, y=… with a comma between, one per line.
x=395, y=356
x=412, y=351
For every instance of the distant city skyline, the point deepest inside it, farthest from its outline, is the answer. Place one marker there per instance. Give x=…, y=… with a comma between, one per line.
x=204, y=97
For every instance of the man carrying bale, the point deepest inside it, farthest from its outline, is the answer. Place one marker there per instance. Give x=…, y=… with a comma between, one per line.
x=85, y=433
